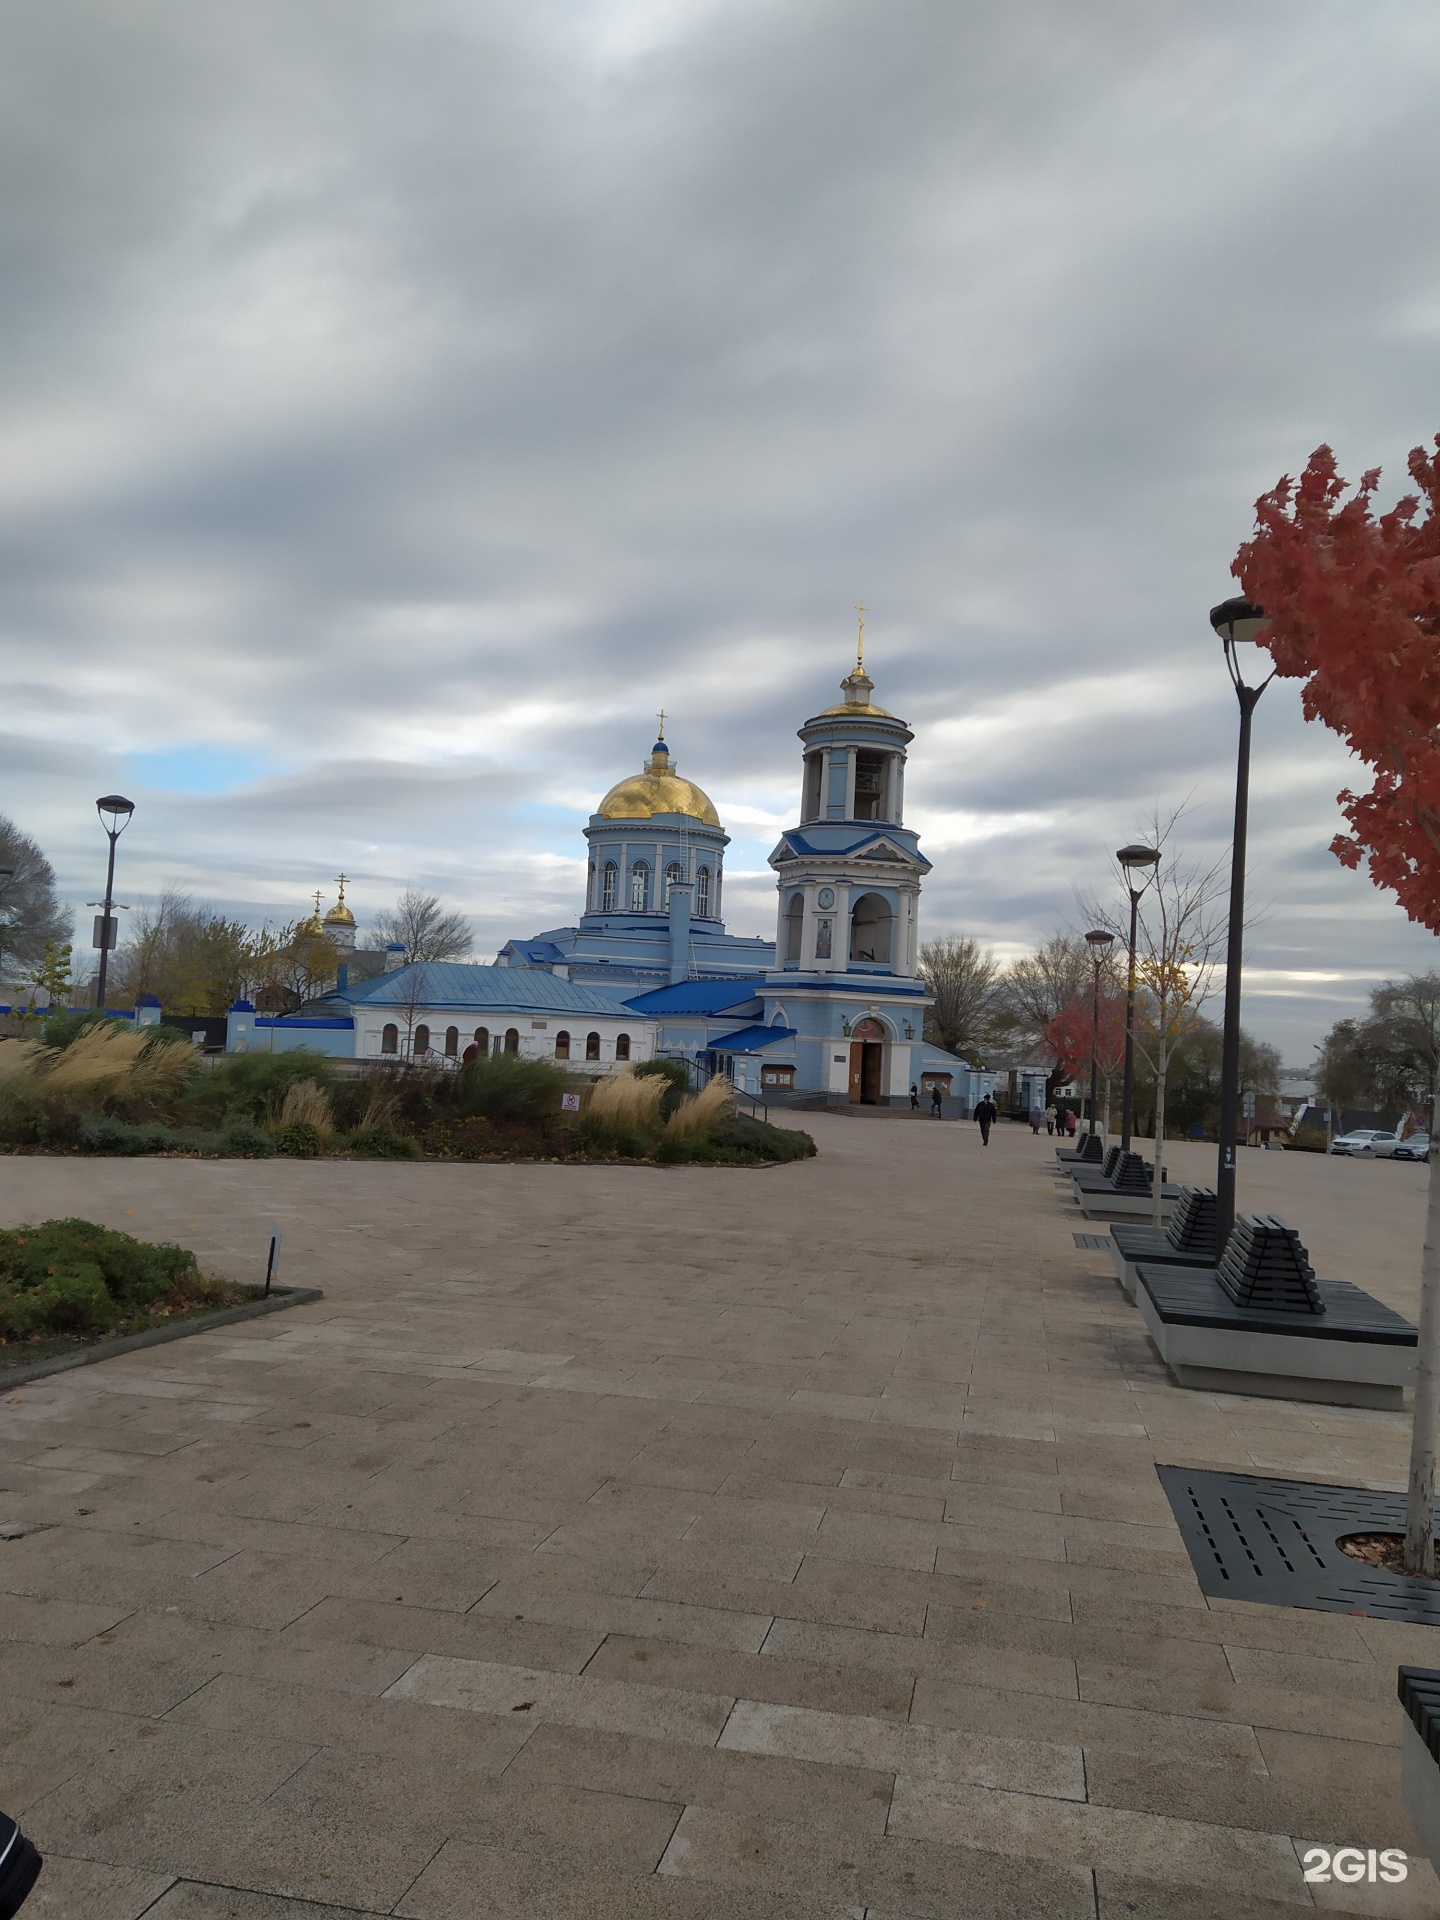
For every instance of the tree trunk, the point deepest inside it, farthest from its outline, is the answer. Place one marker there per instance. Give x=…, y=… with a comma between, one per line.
x=1420, y=1506
x=1159, y=1141
x=1105, y=1129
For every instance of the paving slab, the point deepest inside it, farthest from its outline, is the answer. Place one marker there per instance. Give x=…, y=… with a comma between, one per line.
x=677, y=1544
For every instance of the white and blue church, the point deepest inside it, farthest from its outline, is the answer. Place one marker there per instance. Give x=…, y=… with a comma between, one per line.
x=834, y=1006
x=832, y=1009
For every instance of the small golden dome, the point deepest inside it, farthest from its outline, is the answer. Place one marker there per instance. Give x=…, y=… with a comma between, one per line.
x=659, y=789
x=339, y=915
x=314, y=926
x=857, y=688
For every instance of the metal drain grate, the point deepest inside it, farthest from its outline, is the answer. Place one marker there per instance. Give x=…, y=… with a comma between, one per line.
x=1273, y=1541
x=1091, y=1242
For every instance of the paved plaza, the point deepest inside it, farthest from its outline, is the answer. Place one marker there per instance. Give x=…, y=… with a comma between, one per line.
x=682, y=1544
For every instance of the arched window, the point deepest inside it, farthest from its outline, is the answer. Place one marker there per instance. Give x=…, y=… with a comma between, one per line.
x=794, y=928
x=452, y=1042
x=390, y=1039
x=592, y=1046
x=562, y=1046
x=702, y=894
x=674, y=877
x=608, y=883
x=639, y=887
x=870, y=922
x=422, y=1039
x=590, y=887
x=622, y=1046
x=512, y=1040
x=482, y=1039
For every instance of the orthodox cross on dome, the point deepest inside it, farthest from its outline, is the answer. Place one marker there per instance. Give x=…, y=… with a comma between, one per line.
x=862, y=610
x=661, y=718
x=317, y=903
x=340, y=882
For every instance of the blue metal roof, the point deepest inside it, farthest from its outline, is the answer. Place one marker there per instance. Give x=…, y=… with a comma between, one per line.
x=696, y=996
x=750, y=1039
x=448, y=983
x=543, y=953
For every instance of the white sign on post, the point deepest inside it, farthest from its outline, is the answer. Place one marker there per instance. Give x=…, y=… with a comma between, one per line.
x=569, y=1103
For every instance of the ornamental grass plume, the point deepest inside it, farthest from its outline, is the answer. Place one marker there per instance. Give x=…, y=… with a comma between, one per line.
x=97, y=1060
x=18, y=1059
x=697, y=1114
x=626, y=1102
x=306, y=1105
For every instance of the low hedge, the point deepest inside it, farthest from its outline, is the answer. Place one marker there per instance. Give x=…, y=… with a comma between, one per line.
x=72, y=1278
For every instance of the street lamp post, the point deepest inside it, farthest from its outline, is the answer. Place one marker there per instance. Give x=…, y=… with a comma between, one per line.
x=114, y=811
x=1134, y=860
x=1236, y=622
x=1100, y=945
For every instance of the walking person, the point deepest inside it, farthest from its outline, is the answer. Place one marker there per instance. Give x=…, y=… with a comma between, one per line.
x=936, y=1096
x=1037, y=1116
x=986, y=1114
x=914, y=1098
x=1052, y=1114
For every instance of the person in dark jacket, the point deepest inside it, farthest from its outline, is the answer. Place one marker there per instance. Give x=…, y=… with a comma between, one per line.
x=936, y=1096
x=986, y=1114
x=914, y=1098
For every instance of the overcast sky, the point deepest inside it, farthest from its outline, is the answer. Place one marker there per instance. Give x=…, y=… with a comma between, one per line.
x=402, y=403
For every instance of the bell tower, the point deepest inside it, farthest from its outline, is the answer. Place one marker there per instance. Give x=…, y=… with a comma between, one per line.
x=848, y=878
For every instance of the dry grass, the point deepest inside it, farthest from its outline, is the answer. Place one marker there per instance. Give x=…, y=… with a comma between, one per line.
x=694, y=1115
x=380, y=1111
x=307, y=1105
x=98, y=1059
x=621, y=1100
x=18, y=1059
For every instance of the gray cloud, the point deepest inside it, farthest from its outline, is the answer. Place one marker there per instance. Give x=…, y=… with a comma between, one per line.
x=412, y=401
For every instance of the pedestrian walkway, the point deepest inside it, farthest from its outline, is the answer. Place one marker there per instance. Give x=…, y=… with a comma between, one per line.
x=685, y=1544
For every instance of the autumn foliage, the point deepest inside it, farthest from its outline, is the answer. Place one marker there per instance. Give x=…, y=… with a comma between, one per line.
x=1352, y=601
x=1068, y=1036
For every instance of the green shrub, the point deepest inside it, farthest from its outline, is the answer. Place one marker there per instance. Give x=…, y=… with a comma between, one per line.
x=1307, y=1140
x=74, y=1277
x=502, y=1086
x=678, y=1075
x=103, y=1133
x=28, y=1119
x=244, y=1138
x=604, y=1139
x=252, y=1086
x=736, y=1140
x=298, y=1140
x=68, y=1300
x=379, y=1143
x=62, y=1028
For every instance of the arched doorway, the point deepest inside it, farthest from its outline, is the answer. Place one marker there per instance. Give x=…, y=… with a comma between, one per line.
x=867, y=1062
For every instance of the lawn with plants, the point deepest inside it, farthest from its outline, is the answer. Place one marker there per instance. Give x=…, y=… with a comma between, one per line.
x=85, y=1085
x=69, y=1283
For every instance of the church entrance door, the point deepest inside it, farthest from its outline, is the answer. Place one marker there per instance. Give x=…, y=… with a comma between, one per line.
x=867, y=1063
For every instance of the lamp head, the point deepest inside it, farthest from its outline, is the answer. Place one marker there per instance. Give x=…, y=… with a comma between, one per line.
x=1138, y=859
x=114, y=811
x=1237, y=620
x=1100, y=943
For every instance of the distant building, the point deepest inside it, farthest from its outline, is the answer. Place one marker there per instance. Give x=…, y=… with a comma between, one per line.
x=434, y=1010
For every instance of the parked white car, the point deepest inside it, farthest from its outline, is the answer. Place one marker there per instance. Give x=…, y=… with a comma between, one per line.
x=1367, y=1143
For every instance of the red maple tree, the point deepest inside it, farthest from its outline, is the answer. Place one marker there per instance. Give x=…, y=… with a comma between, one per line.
x=1068, y=1036
x=1352, y=601
x=1352, y=605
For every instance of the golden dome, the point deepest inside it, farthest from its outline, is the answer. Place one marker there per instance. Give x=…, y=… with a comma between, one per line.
x=659, y=789
x=314, y=925
x=339, y=915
